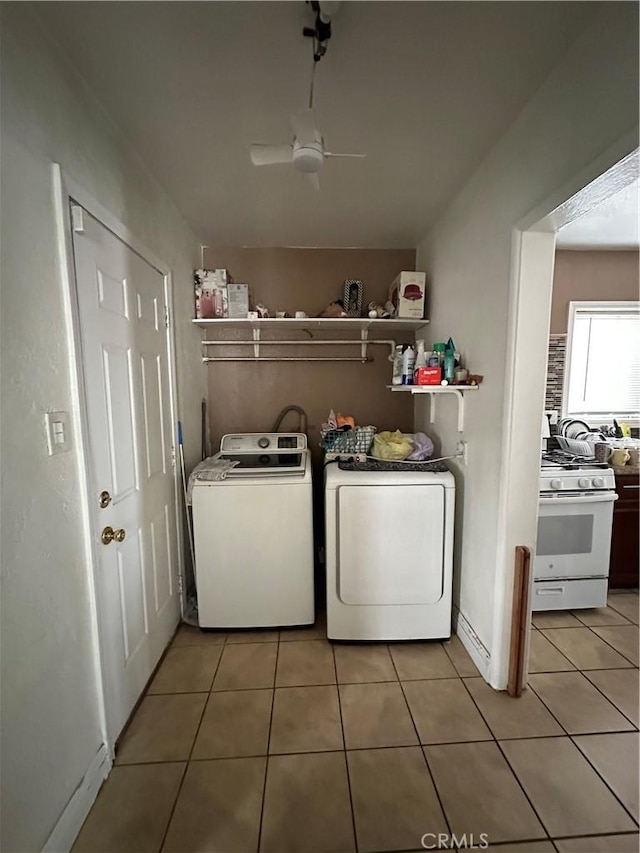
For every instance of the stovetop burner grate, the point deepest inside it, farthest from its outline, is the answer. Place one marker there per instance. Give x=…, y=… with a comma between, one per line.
x=570, y=462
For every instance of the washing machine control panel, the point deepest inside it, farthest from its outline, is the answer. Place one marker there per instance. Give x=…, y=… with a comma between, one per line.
x=248, y=442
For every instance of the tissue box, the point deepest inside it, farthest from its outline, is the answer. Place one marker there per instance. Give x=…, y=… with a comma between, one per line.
x=407, y=295
x=238, y=298
x=211, y=296
x=428, y=376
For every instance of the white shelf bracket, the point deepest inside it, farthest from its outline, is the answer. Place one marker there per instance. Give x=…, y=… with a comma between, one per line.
x=364, y=336
x=256, y=343
x=460, y=397
x=433, y=396
x=434, y=392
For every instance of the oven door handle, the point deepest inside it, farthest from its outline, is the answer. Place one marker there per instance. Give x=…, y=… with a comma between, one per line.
x=603, y=497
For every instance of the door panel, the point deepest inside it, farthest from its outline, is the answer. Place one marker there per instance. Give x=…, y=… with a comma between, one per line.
x=118, y=387
x=390, y=544
x=132, y=596
x=162, y=566
x=151, y=373
x=112, y=294
x=121, y=301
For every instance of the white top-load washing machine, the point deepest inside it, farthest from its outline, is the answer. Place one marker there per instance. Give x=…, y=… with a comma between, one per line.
x=253, y=535
x=389, y=550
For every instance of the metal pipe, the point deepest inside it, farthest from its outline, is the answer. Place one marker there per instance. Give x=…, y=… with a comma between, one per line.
x=207, y=359
x=297, y=343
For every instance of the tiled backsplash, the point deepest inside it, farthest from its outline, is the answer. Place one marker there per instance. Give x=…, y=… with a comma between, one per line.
x=555, y=371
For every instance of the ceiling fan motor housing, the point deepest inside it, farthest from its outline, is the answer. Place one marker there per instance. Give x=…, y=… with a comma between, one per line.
x=308, y=157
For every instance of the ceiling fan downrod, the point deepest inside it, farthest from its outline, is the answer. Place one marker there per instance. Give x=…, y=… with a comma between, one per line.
x=320, y=32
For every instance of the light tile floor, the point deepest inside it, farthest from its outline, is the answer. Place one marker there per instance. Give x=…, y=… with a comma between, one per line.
x=282, y=742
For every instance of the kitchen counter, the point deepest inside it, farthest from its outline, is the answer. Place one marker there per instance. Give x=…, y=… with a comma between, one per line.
x=623, y=470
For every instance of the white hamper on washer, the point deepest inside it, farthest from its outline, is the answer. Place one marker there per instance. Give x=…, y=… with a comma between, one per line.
x=253, y=535
x=389, y=550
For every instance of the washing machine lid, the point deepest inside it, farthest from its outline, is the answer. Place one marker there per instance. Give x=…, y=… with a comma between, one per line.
x=390, y=544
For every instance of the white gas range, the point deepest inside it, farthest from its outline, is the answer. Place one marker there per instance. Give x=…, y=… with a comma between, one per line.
x=571, y=565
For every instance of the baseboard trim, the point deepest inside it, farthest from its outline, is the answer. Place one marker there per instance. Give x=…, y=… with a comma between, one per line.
x=75, y=812
x=480, y=655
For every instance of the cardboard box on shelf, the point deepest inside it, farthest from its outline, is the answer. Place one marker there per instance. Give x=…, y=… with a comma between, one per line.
x=211, y=295
x=428, y=376
x=238, y=296
x=407, y=295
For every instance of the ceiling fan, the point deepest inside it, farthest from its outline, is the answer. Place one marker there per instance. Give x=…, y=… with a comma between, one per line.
x=306, y=152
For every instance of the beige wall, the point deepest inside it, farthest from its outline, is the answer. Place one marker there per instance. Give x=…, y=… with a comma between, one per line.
x=586, y=276
x=248, y=397
x=51, y=708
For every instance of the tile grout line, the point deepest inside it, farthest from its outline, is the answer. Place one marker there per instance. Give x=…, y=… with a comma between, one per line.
x=589, y=628
x=453, y=663
x=188, y=761
x=570, y=736
x=497, y=743
x=576, y=613
x=420, y=744
x=606, y=698
x=266, y=763
x=521, y=786
x=604, y=695
x=364, y=748
x=626, y=592
x=535, y=693
x=560, y=652
x=344, y=748
x=599, y=774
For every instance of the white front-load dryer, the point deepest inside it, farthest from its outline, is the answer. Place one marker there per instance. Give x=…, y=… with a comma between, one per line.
x=389, y=550
x=253, y=535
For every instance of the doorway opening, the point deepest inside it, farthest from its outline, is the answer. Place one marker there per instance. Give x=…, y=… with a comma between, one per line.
x=534, y=248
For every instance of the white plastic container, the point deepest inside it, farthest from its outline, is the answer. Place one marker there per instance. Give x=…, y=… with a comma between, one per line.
x=408, y=364
x=396, y=377
x=421, y=356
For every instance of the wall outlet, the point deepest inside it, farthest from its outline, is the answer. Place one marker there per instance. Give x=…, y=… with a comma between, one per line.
x=461, y=450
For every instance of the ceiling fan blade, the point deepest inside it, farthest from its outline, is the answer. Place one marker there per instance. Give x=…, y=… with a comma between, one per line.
x=304, y=127
x=314, y=180
x=330, y=154
x=271, y=155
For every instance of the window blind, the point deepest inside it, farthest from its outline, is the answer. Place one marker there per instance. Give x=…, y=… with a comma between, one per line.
x=604, y=361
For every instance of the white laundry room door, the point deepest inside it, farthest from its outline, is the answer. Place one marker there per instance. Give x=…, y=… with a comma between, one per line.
x=123, y=338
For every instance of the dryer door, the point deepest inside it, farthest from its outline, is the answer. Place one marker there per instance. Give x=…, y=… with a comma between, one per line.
x=390, y=544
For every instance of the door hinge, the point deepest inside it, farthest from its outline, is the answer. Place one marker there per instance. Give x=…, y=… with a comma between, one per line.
x=77, y=219
x=180, y=583
x=167, y=322
x=173, y=457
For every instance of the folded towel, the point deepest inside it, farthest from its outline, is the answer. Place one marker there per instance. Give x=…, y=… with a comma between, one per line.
x=209, y=469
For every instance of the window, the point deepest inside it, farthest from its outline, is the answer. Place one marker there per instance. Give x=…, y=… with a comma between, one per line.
x=602, y=376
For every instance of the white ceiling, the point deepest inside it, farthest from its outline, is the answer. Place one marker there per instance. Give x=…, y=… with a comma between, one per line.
x=423, y=88
x=613, y=224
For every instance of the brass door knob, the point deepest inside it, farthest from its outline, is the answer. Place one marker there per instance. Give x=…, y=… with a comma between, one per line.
x=108, y=534
x=104, y=499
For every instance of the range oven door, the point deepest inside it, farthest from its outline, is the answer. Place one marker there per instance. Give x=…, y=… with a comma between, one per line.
x=574, y=535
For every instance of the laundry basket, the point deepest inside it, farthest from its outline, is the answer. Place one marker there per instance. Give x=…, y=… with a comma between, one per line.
x=356, y=440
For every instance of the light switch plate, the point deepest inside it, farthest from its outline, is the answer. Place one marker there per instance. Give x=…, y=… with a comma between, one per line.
x=58, y=428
